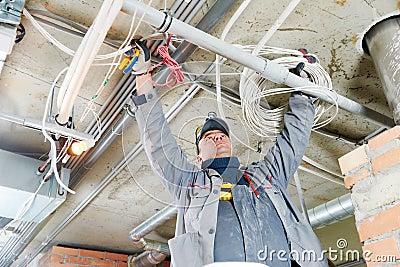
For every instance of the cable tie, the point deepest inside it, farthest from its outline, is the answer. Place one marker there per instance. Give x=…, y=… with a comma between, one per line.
x=164, y=21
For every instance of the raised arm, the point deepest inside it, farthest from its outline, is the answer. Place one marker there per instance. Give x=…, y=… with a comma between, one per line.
x=283, y=159
x=165, y=155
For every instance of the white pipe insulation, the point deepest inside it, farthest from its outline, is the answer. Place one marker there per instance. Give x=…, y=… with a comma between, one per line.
x=266, y=68
x=84, y=57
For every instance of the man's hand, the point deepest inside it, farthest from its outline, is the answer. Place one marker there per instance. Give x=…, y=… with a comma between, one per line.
x=143, y=63
x=208, y=148
x=141, y=67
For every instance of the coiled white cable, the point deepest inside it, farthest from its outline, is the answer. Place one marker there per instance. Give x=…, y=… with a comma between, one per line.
x=267, y=122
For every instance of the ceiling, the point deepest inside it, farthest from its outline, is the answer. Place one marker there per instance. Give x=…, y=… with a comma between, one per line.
x=328, y=29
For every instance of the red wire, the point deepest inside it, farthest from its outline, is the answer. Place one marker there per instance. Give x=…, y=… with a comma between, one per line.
x=176, y=75
x=251, y=184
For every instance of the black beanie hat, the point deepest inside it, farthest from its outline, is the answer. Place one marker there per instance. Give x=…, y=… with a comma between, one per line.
x=211, y=123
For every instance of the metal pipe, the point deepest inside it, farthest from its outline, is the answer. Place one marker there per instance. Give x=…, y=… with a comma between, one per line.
x=146, y=259
x=188, y=10
x=151, y=245
x=37, y=125
x=266, y=68
x=153, y=222
x=7, y=253
x=194, y=11
x=382, y=42
x=332, y=211
x=100, y=148
x=118, y=106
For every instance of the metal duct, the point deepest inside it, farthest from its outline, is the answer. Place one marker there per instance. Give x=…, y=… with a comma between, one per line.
x=332, y=211
x=149, y=225
x=381, y=42
x=153, y=222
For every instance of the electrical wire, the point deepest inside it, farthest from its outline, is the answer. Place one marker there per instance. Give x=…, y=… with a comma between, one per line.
x=64, y=48
x=267, y=122
x=90, y=106
x=321, y=175
x=175, y=76
x=224, y=33
x=53, y=149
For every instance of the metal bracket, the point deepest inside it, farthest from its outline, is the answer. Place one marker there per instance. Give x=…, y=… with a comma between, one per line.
x=11, y=10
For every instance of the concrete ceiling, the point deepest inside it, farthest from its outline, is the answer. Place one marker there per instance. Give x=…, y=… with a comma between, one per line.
x=328, y=29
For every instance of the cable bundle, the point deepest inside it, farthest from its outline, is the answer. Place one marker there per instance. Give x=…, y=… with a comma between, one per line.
x=267, y=122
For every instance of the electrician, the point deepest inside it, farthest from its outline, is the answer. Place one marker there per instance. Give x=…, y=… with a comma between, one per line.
x=228, y=212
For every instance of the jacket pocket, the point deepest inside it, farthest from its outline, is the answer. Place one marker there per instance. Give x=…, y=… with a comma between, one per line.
x=185, y=250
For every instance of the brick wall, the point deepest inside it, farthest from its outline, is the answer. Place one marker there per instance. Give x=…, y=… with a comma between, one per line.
x=59, y=256
x=372, y=173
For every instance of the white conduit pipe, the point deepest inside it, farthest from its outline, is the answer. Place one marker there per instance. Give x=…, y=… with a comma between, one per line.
x=266, y=68
x=228, y=26
x=84, y=57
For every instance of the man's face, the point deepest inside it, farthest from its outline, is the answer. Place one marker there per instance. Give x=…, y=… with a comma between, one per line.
x=214, y=144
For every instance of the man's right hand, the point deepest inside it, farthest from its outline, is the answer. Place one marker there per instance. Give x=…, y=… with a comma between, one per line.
x=143, y=63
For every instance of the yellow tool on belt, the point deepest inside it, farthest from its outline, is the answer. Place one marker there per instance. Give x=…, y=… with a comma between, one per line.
x=226, y=192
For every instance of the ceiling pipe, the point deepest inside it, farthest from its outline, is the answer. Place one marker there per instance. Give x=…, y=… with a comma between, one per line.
x=267, y=69
x=381, y=42
x=51, y=127
x=332, y=211
x=138, y=233
x=84, y=57
x=146, y=259
x=184, y=50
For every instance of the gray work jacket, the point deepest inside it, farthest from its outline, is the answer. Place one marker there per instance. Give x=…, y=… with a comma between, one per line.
x=196, y=192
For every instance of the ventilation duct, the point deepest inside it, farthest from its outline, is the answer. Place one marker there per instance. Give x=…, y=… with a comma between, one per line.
x=332, y=211
x=19, y=182
x=382, y=42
